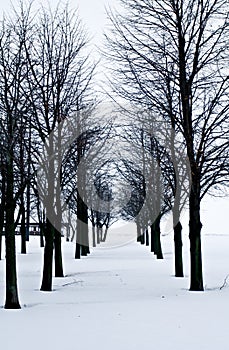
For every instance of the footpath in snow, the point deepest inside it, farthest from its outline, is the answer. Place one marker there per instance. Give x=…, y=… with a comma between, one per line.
x=119, y=299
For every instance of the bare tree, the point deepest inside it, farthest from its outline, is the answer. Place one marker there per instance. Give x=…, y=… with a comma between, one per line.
x=13, y=107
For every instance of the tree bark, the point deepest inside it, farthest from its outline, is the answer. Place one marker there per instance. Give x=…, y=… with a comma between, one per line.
x=142, y=237
x=93, y=236
x=48, y=257
x=147, y=237
x=85, y=242
x=82, y=240
x=78, y=250
x=98, y=233
x=12, y=300
x=138, y=232
x=42, y=243
x=41, y=220
x=196, y=282
x=178, y=250
x=156, y=238
x=105, y=234
x=23, y=228
x=58, y=255
x=152, y=247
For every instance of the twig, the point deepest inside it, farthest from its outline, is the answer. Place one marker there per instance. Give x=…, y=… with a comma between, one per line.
x=224, y=283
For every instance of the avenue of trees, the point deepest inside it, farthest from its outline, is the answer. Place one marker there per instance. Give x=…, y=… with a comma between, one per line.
x=66, y=160
x=172, y=58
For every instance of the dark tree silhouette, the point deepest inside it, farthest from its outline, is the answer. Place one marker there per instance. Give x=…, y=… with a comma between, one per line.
x=14, y=107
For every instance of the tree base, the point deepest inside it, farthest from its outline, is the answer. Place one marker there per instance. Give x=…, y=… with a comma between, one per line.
x=179, y=275
x=12, y=306
x=42, y=289
x=196, y=289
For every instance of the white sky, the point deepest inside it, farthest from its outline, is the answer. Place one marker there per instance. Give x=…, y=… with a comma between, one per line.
x=94, y=18
x=92, y=12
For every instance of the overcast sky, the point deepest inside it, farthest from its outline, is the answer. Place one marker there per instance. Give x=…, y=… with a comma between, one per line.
x=92, y=12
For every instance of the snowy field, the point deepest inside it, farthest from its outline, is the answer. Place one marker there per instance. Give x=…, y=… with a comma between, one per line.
x=120, y=299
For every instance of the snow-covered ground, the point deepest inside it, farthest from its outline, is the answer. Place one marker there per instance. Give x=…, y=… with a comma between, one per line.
x=120, y=299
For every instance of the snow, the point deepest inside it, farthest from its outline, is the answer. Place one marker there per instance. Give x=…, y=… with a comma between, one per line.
x=119, y=298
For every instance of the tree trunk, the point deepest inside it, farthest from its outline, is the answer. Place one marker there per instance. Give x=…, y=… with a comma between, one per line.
x=42, y=243
x=138, y=232
x=147, y=237
x=42, y=230
x=79, y=229
x=41, y=221
x=105, y=234
x=93, y=228
x=196, y=283
x=85, y=242
x=12, y=301
x=143, y=237
x=48, y=257
x=68, y=228
x=58, y=255
x=78, y=251
x=152, y=248
x=78, y=239
x=101, y=233
x=156, y=238
x=82, y=239
x=93, y=236
x=84, y=250
x=68, y=233
x=178, y=250
x=27, y=210
x=23, y=228
x=98, y=233
x=28, y=189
